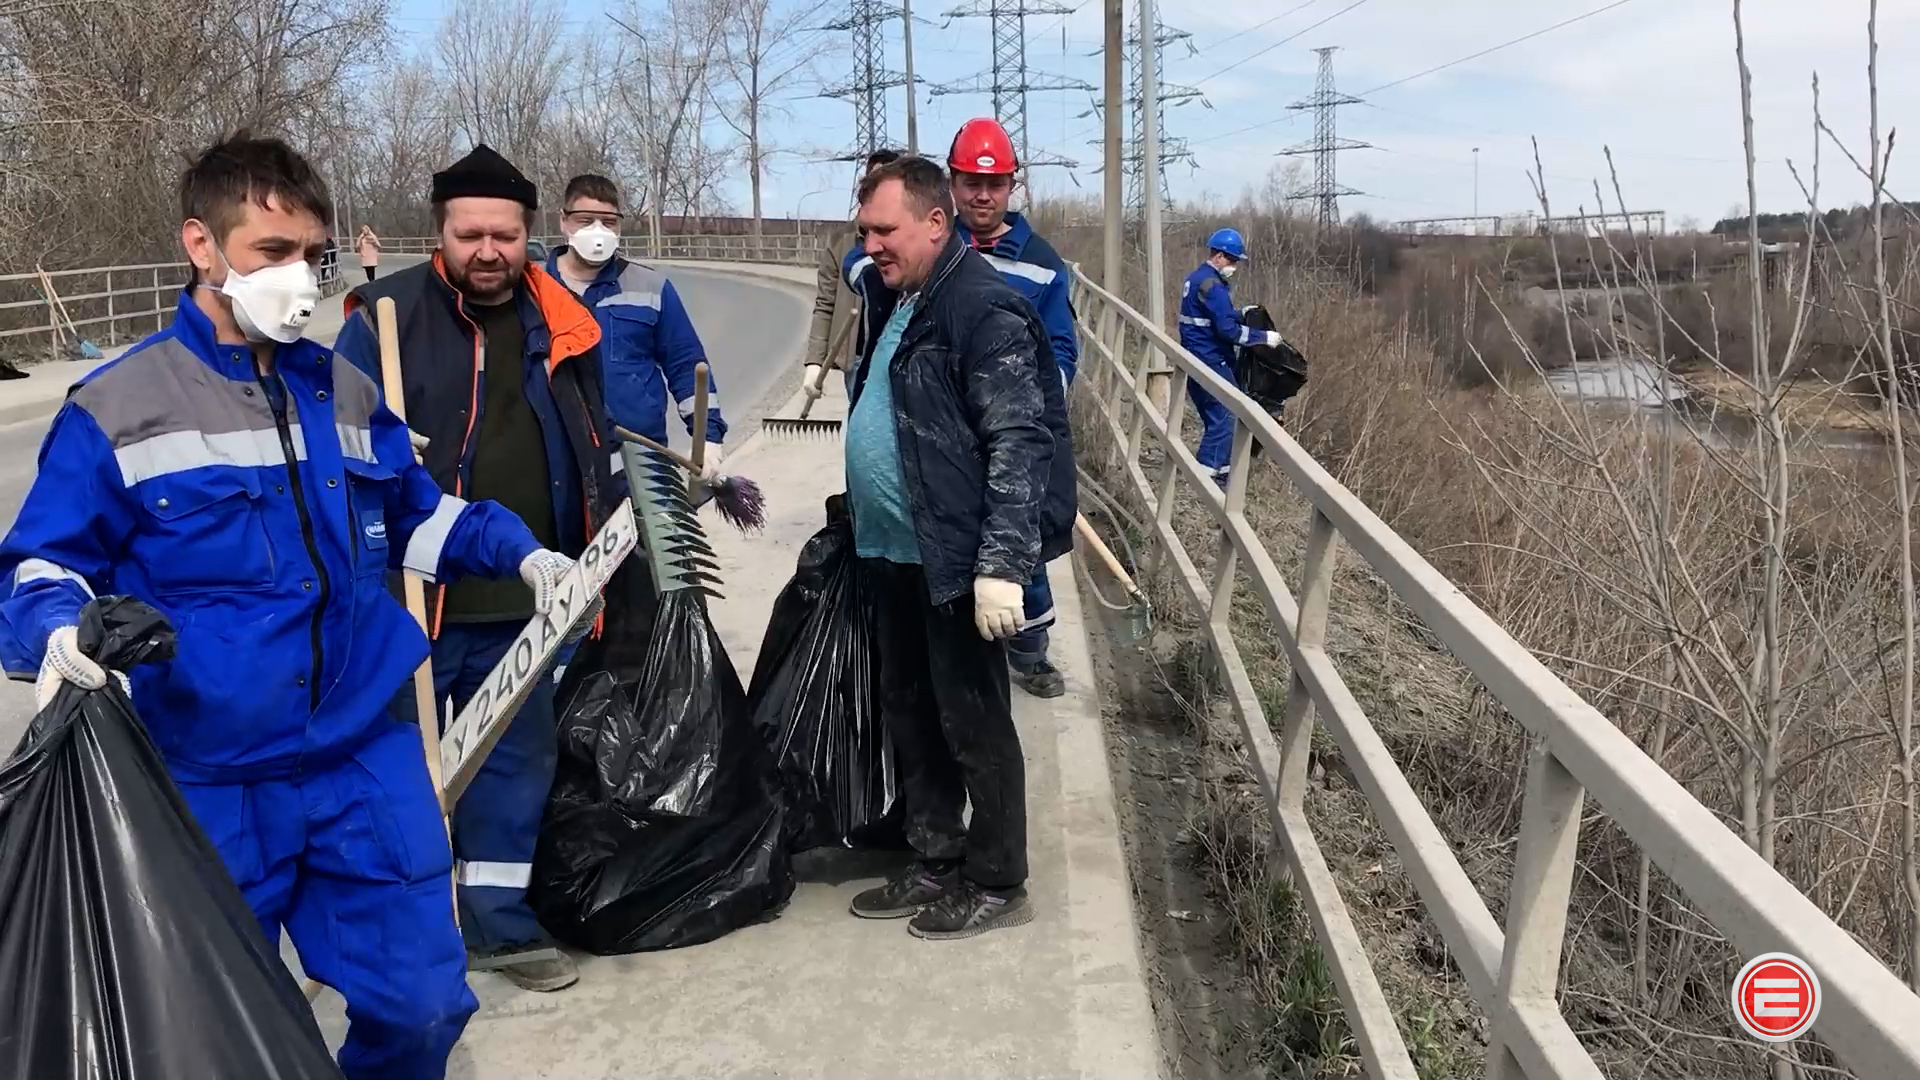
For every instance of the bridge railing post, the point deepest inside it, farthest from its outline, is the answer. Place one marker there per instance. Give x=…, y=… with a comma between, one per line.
x=1537, y=897
x=1309, y=633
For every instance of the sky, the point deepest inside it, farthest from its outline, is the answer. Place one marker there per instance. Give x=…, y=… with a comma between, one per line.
x=1654, y=80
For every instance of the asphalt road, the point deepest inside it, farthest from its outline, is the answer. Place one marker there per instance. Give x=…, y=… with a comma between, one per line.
x=752, y=329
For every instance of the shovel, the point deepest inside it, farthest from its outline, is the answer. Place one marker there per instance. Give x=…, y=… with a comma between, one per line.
x=1137, y=613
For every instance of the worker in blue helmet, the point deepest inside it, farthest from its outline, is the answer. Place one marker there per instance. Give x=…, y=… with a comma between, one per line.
x=1211, y=330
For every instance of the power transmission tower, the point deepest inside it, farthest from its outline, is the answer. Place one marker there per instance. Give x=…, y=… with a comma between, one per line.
x=871, y=80
x=1009, y=82
x=1133, y=152
x=1326, y=145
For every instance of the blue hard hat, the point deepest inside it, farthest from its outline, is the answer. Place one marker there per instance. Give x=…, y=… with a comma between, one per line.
x=1227, y=241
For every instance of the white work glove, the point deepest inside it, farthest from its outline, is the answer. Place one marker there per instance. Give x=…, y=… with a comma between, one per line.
x=814, y=379
x=65, y=663
x=998, y=607
x=1273, y=339
x=542, y=572
x=709, y=467
x=419, y=442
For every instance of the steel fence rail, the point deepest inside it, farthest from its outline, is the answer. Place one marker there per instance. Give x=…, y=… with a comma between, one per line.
x=115, y=304
x=789, y=249
x=107, y=304
x=1869, y=1018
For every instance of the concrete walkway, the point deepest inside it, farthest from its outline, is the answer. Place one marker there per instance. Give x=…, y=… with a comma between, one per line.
x=817, y=993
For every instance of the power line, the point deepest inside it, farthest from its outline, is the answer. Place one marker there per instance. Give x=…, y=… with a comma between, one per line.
x=1505, y=44
x=1263, y=25
x=1284, y=40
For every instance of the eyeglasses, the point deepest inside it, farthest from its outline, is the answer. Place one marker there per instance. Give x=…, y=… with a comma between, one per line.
x=583, y=218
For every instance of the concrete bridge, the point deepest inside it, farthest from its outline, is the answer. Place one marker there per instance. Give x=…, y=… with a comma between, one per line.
x=814, y=992
x=817, y=994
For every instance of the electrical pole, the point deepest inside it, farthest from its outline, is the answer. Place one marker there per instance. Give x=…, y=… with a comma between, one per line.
x=1009, y=81
x=1116, y=26
x=867, y=88
x=1326, y=145
x=1150, y=165
x=913, y=112
x=1476, y=184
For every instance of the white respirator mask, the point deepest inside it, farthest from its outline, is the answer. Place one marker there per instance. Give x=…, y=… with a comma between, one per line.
x=274, y=303
x=595, y=243
x=1229, y=270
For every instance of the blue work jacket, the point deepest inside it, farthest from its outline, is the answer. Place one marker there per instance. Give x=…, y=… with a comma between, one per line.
x=648, y=347
x=1210, y=326
x=261, y=515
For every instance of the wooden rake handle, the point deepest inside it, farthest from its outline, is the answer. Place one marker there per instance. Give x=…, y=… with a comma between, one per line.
x=1085, y=528
x=635, y=437
x=696, y=461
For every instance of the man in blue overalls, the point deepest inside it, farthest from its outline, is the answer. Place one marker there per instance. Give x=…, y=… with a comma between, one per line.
x=255, y=489
x=647, y=343
x=983, y=167
x=1211, y=330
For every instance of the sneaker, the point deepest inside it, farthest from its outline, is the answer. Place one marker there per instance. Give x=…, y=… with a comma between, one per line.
x=970, y=911
x=543, y=970
x=906, y=894
x=1042, y=679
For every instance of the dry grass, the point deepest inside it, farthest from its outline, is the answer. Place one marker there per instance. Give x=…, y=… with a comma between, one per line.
x=1543, y=515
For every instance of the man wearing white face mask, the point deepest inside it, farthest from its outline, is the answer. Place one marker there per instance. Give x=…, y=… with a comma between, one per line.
x=257, y=491
x=648, y=345
x=1211, y=330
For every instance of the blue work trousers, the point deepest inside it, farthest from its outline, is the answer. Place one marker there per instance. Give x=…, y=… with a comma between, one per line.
x=352, y=861
x=497, y=822
x=1027, y=650
x=1216, y=422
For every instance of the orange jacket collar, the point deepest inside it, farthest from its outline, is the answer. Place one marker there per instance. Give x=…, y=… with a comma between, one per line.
x=571, y=329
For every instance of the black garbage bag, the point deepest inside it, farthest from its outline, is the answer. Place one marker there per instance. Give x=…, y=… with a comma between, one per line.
x=664, y=827
x=126, y=952
x=816, y=698
x=1270, y=375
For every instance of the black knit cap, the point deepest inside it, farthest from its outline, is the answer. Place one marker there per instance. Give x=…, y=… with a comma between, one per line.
x=484, y=174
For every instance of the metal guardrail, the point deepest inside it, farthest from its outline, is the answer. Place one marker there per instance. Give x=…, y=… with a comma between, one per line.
x=114, y=304
x=1868, y=1016
x=788, y=249
x=108, y=304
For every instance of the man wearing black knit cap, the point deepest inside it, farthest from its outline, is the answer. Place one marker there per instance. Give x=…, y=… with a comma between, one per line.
x=502, y=371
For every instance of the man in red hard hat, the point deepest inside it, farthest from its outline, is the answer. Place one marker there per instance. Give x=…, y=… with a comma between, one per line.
x=985, y=172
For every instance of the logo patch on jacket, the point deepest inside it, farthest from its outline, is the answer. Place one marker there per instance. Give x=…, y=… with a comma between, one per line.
x=373, y=526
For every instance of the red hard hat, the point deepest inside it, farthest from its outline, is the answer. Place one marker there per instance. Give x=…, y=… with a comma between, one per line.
x=982, y=146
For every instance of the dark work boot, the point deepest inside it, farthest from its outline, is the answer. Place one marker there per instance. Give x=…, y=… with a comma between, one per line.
x=916, y=887
x=1031, y=670
x=1039, y=678
x=971, y=910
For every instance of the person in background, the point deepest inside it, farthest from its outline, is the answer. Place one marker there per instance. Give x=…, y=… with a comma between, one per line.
x=368, y=245
x=256, y=490
x=834, y=300
x=502, y=373
x=856, y=269
x=960, y=481
x=985, y=174
x=1210, y=329
x=648, y=345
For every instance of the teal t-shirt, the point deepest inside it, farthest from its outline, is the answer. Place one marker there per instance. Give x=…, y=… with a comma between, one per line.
x=876, y=488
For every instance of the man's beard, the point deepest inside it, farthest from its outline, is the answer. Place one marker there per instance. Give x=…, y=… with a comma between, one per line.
x=462, y=280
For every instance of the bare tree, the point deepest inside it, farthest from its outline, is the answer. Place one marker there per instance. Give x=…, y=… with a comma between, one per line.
x=675, y=47
x=102, y=100
x=501, y=66
x=762, y=52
